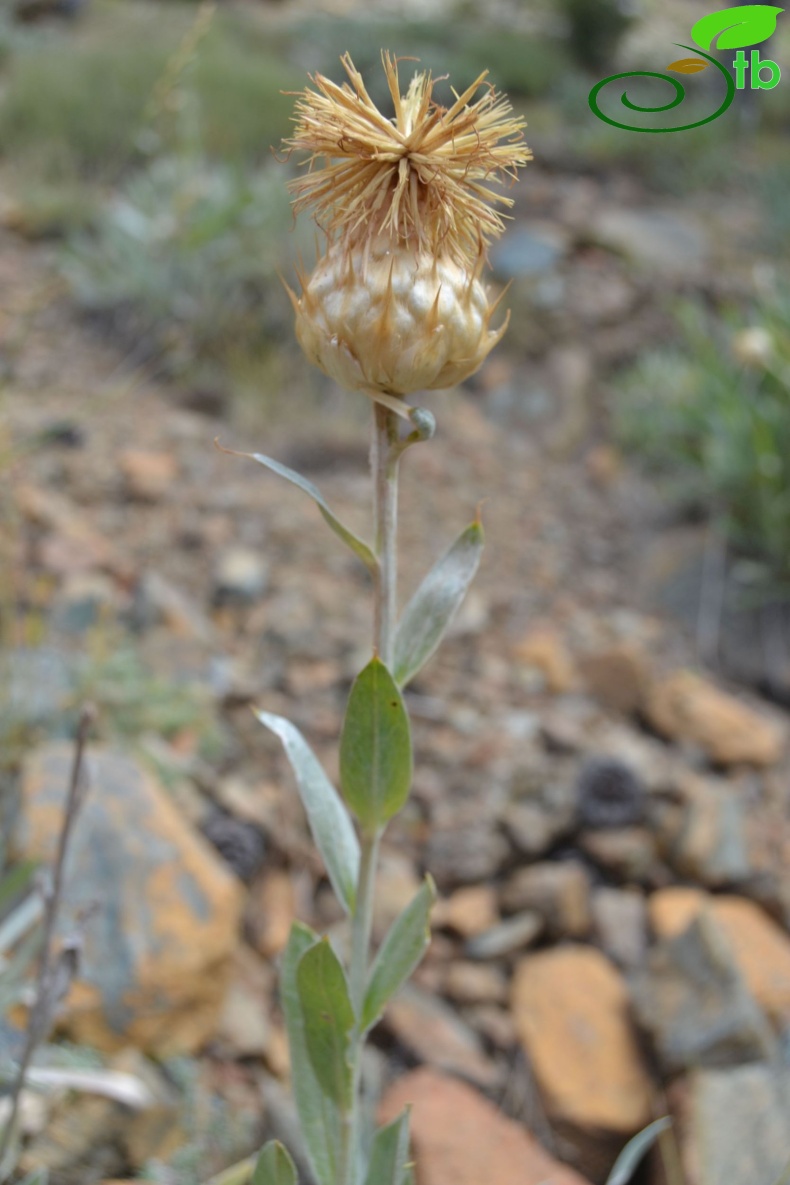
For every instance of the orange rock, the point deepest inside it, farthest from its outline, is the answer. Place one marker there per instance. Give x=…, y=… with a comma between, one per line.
x=684, y=706
x=271, y=908
x=617, y=677
x=459, y=1138
x=761, y=947
x=148, y=475
x=544, y=648
x=671, y=910
x=162, y=909
x=468, y=911
x=570, y=1008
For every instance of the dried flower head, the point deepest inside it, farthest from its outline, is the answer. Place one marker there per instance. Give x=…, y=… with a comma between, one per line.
x=396, y=303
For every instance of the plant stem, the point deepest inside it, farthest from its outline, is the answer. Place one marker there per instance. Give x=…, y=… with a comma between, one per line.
x=47, y=990
x=384, y=463
x=384, y=458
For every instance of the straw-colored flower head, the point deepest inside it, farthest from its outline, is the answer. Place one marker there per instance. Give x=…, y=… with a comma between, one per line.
x=396, y=304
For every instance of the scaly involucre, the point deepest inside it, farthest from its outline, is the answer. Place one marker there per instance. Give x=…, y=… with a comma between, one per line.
x=418, y=178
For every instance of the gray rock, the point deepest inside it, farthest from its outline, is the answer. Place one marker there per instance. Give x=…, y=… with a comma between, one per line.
x=712, y=846
x=558, y=891
x=37, y=684
x=739, y=1125
x=241, y=576
x=437, y=1035
x=157, y=908
x=620, y=925
x=84, y=598
x=465, y=854
x=693, y=1002
x=528, y=250
x=507, y=938
x=665, y=241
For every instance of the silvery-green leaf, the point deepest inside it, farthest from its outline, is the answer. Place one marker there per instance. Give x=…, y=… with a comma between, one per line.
x=628, y=1160
x=375, y=747
x=734, y=28
x=360, y=548
x=328, y=1020
x=319, y=1117
x=432, y=608
x=399, y=953
x=390, y=1153
x=37, y=1177
x=274, y=1166
x=329, y=820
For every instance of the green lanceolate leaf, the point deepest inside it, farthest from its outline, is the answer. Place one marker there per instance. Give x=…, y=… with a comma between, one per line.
x=375, y=748
x=400, y=952
x=735, y=28
x=360, y=548
x=390, y=1153
x=328, y=1019
x=428, y=614
x=628, y=1160
x=319, y=1116
x=274, y=1166
x=329, y=820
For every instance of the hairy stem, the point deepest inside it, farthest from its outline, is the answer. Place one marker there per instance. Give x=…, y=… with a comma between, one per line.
x=384, y=463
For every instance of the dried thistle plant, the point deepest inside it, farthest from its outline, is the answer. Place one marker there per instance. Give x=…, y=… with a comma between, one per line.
x=396, y=303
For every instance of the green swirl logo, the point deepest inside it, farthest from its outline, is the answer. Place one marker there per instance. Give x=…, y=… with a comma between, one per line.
x=730, y=28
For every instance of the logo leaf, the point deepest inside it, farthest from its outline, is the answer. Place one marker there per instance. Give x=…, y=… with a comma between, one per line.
x=688, y=65
x=734, y=28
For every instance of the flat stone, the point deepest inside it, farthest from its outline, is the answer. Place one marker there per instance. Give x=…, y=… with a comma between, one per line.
x=629, y=853
x=82, y=601
x=664, y=240
x=736, y=1126
x=509, y=937
x=761, y=947
x=685, y=706
x=465, y=854
x=712, y=844
x=529, y=249
x=460, y=1137
x=558, y=891
x=544, y=648
x=692, y=1000
x=620, y=925
x=571, y=1010
x=241, y=576
x=158, y=952
x=433, y=1032
x=617, y=676
x=475, y=983
x=468, y=911
x=147, y=475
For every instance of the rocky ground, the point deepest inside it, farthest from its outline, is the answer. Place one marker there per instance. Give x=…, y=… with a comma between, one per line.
x=607, y=821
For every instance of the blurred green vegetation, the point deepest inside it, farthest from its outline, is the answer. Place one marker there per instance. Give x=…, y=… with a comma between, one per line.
x=712, y=419
x=76, y=102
